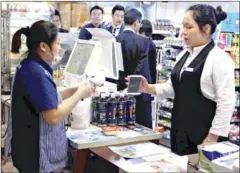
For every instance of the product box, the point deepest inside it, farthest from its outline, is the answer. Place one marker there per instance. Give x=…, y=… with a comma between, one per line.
x=211, y=152
x=229, y=163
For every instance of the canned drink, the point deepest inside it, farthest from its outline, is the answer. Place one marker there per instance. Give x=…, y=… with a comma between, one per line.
x=121, y=118
x=103, y=111
x=131, y=107
x=112, y=110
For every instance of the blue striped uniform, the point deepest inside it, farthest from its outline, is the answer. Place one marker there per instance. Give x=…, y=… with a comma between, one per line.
x=36, y=146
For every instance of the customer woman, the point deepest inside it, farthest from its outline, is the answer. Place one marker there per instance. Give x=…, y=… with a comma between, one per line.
x=202, y=84
x=39, y=142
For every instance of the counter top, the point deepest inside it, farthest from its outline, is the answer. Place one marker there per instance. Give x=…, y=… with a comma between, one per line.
x=141, y=164
x=93, y=137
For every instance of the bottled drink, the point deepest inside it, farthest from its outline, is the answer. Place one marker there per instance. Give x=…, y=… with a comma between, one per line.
x=131, y=107
x=95, y=110
x=112, y=110
x=103, y=111
x=121, y=118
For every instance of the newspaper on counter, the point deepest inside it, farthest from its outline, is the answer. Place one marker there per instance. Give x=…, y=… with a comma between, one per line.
x=138, y=150
x=167, y=162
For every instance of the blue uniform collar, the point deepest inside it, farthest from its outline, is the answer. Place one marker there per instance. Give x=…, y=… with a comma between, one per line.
x=39, y=60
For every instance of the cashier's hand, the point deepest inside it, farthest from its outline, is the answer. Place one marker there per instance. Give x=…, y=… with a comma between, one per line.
x=144, y=84
x=86, y=90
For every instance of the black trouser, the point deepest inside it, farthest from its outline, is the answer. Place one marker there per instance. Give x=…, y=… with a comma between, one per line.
x=144, y=113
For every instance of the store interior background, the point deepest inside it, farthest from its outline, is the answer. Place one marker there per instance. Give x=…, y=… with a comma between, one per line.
x=75, y=14
x=151, y=10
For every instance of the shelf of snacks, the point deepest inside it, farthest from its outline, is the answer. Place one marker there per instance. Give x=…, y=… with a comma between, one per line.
x=230, y=43
x=234, y=134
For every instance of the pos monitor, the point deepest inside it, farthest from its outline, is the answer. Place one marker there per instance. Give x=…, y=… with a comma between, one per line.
x=82, y=61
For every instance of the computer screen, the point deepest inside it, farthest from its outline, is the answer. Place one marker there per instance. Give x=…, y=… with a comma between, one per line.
x=79, y=58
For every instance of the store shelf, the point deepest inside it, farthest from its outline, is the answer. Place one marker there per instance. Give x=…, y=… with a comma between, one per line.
x=162, y=32
x=164, y=117
x=177, y=47
x=167, y=126
x=166, y=109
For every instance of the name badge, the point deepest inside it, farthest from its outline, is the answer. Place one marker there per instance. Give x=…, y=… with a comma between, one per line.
x=189, y=69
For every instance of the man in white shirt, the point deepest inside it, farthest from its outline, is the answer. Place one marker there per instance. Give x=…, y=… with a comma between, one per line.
x=117, y=27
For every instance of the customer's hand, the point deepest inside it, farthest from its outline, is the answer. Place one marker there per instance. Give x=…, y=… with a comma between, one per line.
x=210, y=138
x=86, y=90
x=144, y=84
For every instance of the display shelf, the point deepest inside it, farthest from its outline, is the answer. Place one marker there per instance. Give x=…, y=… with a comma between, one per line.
x=167, y=109
x=162, y=32
x=164, y=117
x=177, y=47
x=166, y=126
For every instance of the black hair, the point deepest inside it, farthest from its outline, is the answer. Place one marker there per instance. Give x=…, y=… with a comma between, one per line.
x=96, y=8
x=146, y=28
x=57, y=13
x=131, y=16
x=117, y=8
x=41, y=31
x=205, y=14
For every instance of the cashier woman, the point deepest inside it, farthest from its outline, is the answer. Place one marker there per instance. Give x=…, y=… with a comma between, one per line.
x=39, y=142
x=202, y=82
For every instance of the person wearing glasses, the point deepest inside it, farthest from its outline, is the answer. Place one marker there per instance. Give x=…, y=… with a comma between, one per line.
x=96, y=15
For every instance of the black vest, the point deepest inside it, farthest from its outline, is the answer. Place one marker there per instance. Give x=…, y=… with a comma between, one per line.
x=192, y=113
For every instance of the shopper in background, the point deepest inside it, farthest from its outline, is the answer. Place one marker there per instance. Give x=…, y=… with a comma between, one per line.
x=135, y=61
x=146, y=31
x=202, y=82
x=39, y=142
x=117, y=27
x=57, y=20
x=96, y=15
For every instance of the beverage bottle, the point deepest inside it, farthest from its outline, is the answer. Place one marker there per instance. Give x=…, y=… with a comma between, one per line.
x=131, y=107
x=103, y=110
x=121, y=118
x=112, y=110
x=95, y=110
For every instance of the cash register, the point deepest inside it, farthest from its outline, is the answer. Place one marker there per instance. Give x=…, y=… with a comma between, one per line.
x=92, y=61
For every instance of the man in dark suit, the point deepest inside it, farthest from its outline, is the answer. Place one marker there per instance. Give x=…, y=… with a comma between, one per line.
x=146, y=31
x=57, y=20
x=117, y=27
x=135, y=61
x=96, y=15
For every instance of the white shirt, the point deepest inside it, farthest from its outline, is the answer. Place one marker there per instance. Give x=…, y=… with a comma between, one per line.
x=117, y=30
x=129, y=29
x=217, y=84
